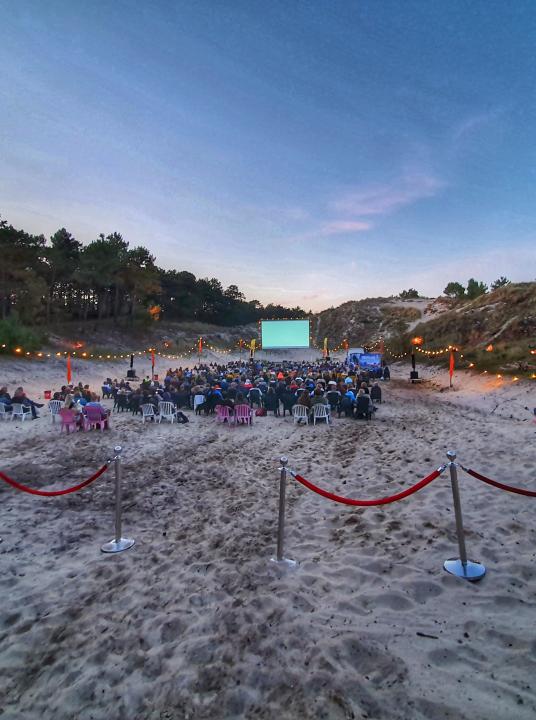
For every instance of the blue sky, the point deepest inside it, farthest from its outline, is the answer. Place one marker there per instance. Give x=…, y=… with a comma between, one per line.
x=309, y=152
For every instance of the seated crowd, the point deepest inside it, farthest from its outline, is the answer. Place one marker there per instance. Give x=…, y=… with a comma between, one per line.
x=267, y=388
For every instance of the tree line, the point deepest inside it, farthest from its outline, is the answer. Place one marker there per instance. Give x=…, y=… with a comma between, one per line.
x=456, y=291
x=60, y=278
x=474, y=288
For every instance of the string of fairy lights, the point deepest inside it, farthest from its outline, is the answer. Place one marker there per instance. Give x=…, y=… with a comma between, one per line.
x=242, y=345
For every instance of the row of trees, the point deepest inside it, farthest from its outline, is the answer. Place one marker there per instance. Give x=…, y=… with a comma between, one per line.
x=60, y=278
x=474, y=288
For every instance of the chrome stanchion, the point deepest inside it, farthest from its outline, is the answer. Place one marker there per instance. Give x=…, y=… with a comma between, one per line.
x=119, y=543
x=461, y=567
x=280, y=558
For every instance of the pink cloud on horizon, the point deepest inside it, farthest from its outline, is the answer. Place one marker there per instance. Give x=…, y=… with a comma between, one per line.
x=382, y=199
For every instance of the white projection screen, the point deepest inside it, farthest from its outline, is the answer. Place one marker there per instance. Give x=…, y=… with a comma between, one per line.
x=284, y=334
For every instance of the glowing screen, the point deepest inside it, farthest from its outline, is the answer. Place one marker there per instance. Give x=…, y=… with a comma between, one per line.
x=284, y=334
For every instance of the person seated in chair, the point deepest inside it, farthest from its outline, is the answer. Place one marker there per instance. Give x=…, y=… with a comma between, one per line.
x=364, y=406
x=5, y=398
x=376, y=392
x=271, y=401
x=318, y=397
x=20, y=397
x=346, y=405
x=288, y=399
x=305, y=400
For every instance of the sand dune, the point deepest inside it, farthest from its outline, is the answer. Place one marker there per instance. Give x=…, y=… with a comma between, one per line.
x=196, y=622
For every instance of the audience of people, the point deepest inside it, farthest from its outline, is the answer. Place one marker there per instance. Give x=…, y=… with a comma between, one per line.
x=269, y=388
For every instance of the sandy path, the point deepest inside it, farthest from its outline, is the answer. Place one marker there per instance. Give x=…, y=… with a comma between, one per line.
x=195, y=622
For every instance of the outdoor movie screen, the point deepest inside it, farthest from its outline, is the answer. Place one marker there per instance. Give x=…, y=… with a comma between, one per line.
x=278, y=334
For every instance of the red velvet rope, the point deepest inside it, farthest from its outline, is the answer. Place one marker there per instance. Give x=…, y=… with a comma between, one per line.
x=53, y=493
x=366, y=503
x=501, y=486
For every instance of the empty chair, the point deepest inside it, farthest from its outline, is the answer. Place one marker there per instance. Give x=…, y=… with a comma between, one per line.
x=54, y=407
x=22, y=411
x=93, y=419
x=147, y=412
x=376, y=393
x=3, y=412
x=243, y=414
x=68, y=420
x=223, y=413
x=300, y=412
x=321, y=412
x=166, y=411
x=198, y=400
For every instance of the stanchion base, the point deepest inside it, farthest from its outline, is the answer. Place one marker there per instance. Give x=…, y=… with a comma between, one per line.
x=285, y=561
x=115, y=546
x=469, y=571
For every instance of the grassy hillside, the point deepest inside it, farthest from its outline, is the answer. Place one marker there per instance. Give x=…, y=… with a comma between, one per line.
x=495, y=331
x=363, y=321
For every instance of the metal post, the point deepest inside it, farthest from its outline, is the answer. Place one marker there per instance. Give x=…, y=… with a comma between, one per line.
x=461, y=567
x=119, y=543
x=281, y=520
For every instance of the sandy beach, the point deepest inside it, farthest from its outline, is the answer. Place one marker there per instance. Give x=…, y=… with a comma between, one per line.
x=196, y=622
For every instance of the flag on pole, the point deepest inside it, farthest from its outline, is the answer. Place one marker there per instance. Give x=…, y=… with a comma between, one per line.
x=200, y=345
x=451, y=366
x=69, y=368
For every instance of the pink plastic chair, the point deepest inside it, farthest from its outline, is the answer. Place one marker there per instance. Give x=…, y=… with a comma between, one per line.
x=94, y=419
x=223, y=413
x=243, y=414
x=68, y=420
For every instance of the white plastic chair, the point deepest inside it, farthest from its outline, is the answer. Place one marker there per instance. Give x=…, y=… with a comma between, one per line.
x=300, y=412
x=147, y=411
x=166, y=411
x=3, y=414
x=54, y=407
x=321, y=412
x=198, y=400
x=22, y=411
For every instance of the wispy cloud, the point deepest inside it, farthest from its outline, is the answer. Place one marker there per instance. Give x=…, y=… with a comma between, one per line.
x=471, y=124
x=382, y=199
x=342, y=227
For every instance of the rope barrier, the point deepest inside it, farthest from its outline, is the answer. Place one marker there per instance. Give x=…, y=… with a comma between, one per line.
x=367, y=503
x=53, y=493
x=501, y=486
